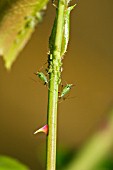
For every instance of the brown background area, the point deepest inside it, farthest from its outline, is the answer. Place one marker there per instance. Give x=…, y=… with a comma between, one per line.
x=88, y=64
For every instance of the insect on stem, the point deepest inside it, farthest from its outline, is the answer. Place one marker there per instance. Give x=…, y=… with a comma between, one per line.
x=42, y=77
x=65, y=91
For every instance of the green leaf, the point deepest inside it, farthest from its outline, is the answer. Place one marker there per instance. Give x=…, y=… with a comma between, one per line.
x=7, y=163
x=105, y=164
x=52, y=36
x=18, y=19
x=66, y=32
x=64, y=157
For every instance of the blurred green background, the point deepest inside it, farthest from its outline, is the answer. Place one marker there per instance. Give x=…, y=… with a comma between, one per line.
x=88, y=63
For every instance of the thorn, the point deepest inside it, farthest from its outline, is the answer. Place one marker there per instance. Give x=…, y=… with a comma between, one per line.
x=43, y=129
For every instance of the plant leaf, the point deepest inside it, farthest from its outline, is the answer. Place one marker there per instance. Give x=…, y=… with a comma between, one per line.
x=66, y=32
x=18, y=19
x=64, y=156
x=7, y=163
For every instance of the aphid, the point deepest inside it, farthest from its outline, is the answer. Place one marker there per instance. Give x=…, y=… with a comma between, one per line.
x=54, y=3
x=65, y=90
x=30, y=22
x=42, y=77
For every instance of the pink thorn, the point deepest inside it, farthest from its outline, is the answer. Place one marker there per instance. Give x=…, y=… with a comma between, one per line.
x=43, y=129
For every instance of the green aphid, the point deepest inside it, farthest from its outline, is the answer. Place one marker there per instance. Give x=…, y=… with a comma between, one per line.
x=42, y=77
x=65, y=90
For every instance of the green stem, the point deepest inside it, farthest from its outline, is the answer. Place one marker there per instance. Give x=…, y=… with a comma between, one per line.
x=53, y=88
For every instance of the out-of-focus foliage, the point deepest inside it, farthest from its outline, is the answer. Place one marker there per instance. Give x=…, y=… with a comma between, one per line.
x=7, y=163
x=106, y=164
x=96, y=150
x=64, y=157
x=18, y=19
